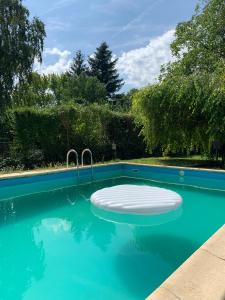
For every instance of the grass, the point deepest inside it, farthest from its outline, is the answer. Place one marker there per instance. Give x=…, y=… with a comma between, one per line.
x=19, y=169
x=191, y=161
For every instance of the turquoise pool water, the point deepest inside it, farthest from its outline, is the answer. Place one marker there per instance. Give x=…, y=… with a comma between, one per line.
x=52, y=246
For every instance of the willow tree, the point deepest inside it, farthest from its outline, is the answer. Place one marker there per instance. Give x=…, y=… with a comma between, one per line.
x=21, y=42
x=186, y=109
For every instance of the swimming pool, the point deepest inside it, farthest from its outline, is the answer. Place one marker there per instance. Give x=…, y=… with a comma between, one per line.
x=53, y=246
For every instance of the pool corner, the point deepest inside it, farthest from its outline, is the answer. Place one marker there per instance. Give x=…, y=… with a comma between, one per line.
x=200, y=277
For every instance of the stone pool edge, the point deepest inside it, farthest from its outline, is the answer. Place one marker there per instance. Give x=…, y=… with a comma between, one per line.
x=173, y=167
x=50, y=171
x=200, y=277
x=30, y=173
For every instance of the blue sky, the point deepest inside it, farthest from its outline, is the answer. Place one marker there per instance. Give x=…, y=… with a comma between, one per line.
x=138, y=32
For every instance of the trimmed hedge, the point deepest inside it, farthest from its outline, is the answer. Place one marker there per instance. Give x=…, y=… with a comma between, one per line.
x=45, y=135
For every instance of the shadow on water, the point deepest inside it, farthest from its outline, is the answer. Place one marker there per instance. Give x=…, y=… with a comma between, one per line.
x=146, y=261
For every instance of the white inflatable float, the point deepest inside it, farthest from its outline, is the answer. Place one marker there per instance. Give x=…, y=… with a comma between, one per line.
x=136, y=199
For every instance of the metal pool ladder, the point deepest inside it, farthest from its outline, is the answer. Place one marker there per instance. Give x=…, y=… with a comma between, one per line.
x=77, y=160
x=82, y=161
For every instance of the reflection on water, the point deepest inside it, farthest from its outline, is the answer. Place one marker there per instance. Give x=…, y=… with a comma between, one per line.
x=54, y=237
x=134, y=219
x=22, y=223
x=22, y=260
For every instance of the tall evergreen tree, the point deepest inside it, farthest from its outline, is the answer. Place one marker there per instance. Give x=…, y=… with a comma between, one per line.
x=78, y=65
x=103, y=66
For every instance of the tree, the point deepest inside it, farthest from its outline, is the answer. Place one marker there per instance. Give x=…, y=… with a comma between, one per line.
x=200, y=42
x=53, y=90
x=122, y=102
x=78, y=65
x=186, y=109
x=85, y=89
x=21, y=42
x=35, y=92
x=103, y=66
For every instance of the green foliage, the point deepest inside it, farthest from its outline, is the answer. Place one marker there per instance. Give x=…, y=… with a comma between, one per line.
x=21, y=43
x=45, y=115
x=85, y=89
x=186, y=110
x=78, y=66
x=35, y=92
x=121, y=130
x=52, y=90
x=122, y=102
x=182, y=114
x=103, y=66
x=57, y=85
x=200, y=42
x=51, y=132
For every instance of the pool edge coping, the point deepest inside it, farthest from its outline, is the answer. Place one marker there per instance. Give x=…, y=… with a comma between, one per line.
x=200, y=277
x=30, y=173
x=175, y=167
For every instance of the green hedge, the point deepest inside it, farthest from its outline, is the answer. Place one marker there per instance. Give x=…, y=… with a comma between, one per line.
x=45, y=135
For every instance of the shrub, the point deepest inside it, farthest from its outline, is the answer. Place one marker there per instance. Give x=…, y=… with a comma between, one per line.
x=49, y=133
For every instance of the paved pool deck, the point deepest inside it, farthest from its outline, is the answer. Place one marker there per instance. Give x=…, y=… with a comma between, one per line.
x=200, y=277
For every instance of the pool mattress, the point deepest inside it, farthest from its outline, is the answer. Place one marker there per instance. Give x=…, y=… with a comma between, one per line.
x=136, y=199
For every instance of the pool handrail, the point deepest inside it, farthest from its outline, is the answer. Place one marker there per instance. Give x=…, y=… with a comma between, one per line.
x=91, y=156
x=77, y=159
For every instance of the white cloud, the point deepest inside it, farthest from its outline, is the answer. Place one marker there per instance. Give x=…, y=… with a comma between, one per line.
x=57, y=225
x=141, y=66
x=138, y=67
x=61, y=65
